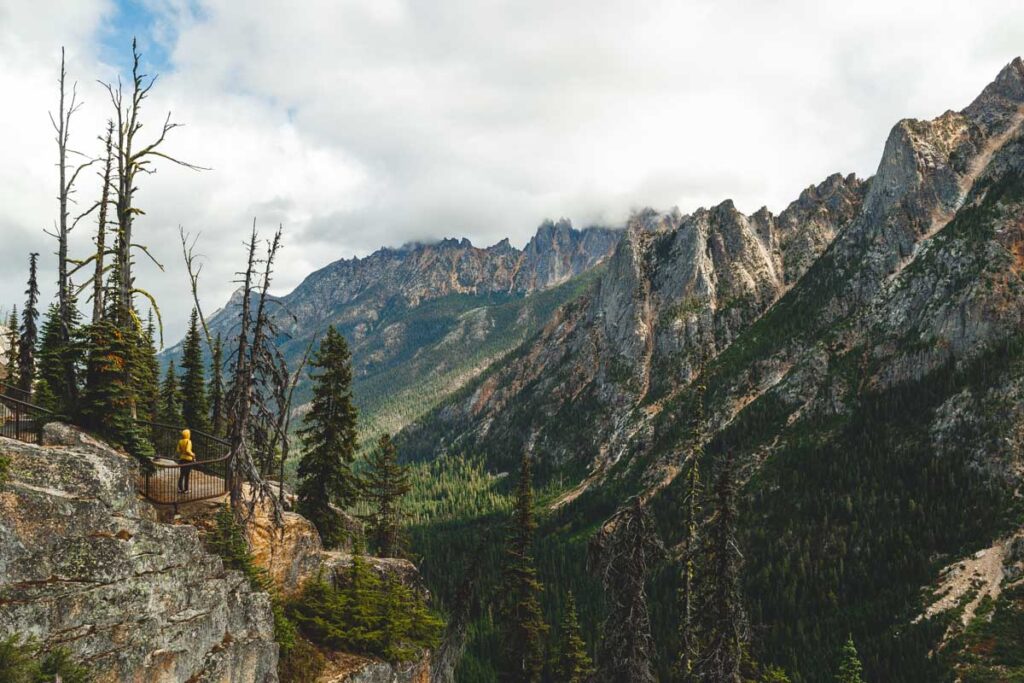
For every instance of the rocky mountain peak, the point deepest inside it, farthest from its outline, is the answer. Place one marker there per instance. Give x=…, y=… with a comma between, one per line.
x=1000, y=99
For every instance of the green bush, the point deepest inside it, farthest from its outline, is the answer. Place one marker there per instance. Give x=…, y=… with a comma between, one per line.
x=368, y=616
x=24, y=661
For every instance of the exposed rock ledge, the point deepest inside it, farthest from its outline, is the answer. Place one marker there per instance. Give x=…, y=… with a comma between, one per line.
x=84, y=564
x=293, y=554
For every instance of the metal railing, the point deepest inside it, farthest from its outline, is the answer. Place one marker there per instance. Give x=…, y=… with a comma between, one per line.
x=20, y=419
x=207, y=477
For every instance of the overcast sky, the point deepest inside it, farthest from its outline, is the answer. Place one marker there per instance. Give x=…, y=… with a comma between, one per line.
x=362, y=123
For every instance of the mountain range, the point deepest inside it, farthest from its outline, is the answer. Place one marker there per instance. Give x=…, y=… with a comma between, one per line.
x=860, y=353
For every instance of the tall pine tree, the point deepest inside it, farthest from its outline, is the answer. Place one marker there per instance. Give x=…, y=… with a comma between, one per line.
x=329, y=440
x=29, y=330
x=216, y=387
x=170, y=398
x=849, y=664
x=11, y=358
x=148, y=373
x=195, y=409
x=724, y=630
x=689, y=643
x=571, y=663
x=383, y=486
x=522, y=626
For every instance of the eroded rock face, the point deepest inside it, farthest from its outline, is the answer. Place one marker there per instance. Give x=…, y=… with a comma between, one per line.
x=677, y=291
x=84, y=564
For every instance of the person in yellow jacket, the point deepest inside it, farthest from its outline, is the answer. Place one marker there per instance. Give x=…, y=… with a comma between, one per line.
x=186, y=458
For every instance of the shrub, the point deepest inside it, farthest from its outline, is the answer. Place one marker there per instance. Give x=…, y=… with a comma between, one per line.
x=24, y=661
x=368, y=616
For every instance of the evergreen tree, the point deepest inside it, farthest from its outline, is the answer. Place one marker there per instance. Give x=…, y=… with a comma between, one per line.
x=29, y=330
x=216, y=388
x=849, y=664
x=195, y=408
x=724, y=629
x=523, y=626
x=572, y=663
x=117, y=374
x=59, y=361
x=148, y=374
x=329, y=440
x=170, y=398
x=11, y=361
x=383, y=486
x=689, y=646
x=363, y=604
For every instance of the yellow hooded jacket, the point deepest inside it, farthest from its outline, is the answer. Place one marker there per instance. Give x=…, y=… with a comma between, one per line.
x=185, y=447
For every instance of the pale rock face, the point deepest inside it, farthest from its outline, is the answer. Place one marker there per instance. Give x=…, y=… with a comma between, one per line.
x=678, y=290
x=84, y=564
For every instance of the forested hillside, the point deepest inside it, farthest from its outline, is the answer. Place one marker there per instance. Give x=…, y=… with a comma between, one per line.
x=859, y=355
x=423, y=320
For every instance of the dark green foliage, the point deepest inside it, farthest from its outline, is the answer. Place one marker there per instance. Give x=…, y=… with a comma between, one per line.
x=774, y=674
x=58, y=360
x=522, y=622
x=383, y=485
x=11, y=368
x=227, y=539
x=329, y=440
x=368, y=615
x=991, y=646
x=215, y=389
x=571, y=662
x=29, y=329
x=111, y=400
x=195, y=409
x=23, y=661
x=849, y=669
x=689, y=641
x=5, y=468
x=147, y=371
x=170, y=399
x=722, y=621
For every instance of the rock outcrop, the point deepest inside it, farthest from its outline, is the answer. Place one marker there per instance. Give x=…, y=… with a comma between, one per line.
x=85, y=565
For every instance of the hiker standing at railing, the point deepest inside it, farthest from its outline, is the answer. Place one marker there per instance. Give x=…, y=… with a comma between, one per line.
x=186, y=458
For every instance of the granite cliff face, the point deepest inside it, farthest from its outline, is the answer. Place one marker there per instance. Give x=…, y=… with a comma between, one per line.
x=677, y=291
x=85, y=565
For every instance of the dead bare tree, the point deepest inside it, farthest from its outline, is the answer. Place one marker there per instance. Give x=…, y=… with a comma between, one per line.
x=622, y=553
x=101, y=227
x=68, y=106
x=133, y=158
x=258, y=404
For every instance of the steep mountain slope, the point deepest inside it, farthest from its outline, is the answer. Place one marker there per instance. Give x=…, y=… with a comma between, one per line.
x=875, y=400
x=677, y=291
x=424, y=319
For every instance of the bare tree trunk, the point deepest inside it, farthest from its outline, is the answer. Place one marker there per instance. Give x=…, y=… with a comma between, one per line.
x=101, y=230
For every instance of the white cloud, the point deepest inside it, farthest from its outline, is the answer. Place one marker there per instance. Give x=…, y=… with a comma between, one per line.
x=362, y=123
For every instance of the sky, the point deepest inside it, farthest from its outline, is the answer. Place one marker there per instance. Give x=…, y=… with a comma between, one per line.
x=357, y=124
